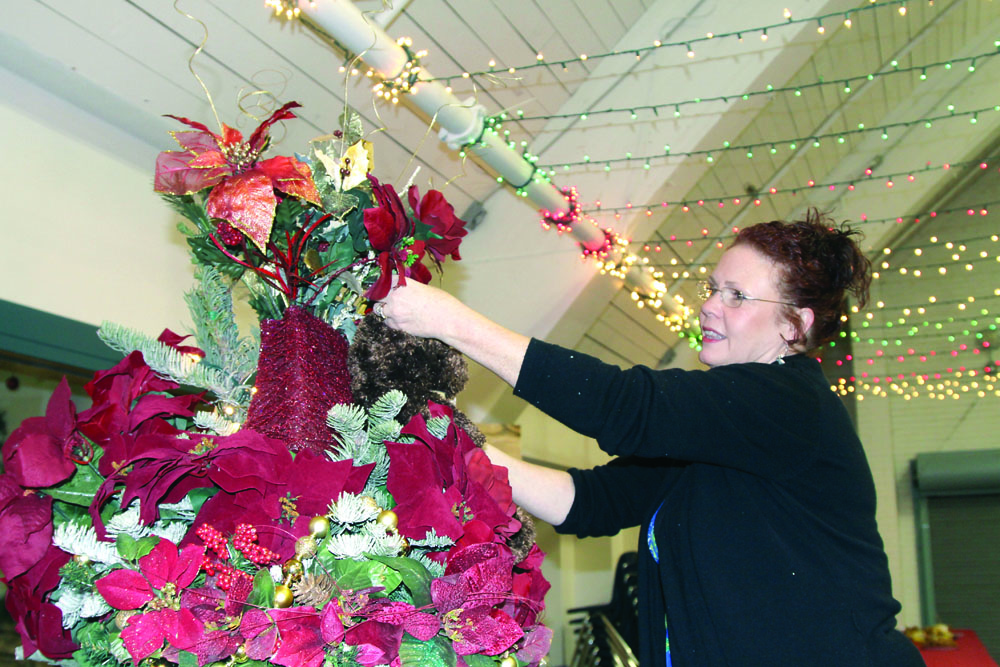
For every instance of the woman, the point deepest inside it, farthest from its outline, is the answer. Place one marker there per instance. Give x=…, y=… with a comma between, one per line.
x=757, y=504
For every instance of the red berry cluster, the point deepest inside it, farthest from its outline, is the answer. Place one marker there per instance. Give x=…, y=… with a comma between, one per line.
x=245, y=539
x=227, y=575
x=228, y=234
x=213, y=540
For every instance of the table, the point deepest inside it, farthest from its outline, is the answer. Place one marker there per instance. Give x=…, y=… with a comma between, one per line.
x=969, y=652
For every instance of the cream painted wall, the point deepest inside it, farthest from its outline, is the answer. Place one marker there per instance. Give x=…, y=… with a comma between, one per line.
x=83, y=234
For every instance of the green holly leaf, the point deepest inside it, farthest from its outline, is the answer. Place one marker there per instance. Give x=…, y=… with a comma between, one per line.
x=185, y=659
x=132, y=549
x=262, y=595
x=358, y=575
x=476, y=660
x=414, y=575
x=350, y=123
x=438, y=652
x=80, y=488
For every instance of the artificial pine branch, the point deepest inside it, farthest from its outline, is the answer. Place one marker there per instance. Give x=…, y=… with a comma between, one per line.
x=82, y=541
x=438, y=426
x=218, y=423
x=348, y=423
x=387, y=406
x=184, y=369
x=211, y=305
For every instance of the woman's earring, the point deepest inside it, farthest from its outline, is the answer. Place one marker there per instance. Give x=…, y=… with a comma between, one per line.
x=781, y=355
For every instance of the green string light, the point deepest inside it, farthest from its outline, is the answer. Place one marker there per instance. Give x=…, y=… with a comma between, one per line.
x=633, y=111
x=688, y=44
x=816, y=140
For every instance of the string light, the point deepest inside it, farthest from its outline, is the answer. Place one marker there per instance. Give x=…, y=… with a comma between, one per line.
x=402, y=83
x=637, y=51
x=768, y=90
x=869, y=176
x=816, y=140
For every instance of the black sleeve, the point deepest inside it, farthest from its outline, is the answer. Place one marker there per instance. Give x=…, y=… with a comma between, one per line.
x=755, y=417
x=618, y=495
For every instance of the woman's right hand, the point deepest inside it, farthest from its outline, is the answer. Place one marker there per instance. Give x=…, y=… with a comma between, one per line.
x=428, y=312
x=422, y=310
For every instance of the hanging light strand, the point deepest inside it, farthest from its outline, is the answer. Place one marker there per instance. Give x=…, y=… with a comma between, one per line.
x=687, y=45
x=676, y=106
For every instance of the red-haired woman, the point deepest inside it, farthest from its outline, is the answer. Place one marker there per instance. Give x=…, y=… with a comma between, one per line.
x=757, y=505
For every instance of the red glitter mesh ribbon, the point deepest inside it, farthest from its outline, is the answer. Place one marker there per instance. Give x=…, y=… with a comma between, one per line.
x=301, y=374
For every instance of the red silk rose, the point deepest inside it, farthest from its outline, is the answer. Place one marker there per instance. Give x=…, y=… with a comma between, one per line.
x=448, y=229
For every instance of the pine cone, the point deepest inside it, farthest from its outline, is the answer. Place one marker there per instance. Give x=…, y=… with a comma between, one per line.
x=314, y=590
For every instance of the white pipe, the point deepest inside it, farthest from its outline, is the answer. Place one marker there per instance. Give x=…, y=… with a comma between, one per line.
x=459, y=122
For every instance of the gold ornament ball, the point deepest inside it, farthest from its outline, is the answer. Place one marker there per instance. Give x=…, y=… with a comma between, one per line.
x=388, y=519
x=404, y=546
x=283, y=596
x=305, y=547
x=80, y=559
x=319, y=526
x=240, y=656
x=509, y=661
x=293, y=568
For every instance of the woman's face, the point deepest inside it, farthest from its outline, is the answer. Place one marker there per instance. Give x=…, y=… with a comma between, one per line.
x=754, y=330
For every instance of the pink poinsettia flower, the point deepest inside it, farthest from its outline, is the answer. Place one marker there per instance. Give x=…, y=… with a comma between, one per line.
x=242, y=184
x=447, y=228
x=155, y=588
x=220, y=612
x=448, y=485
x=476, y=584
x=387, y=225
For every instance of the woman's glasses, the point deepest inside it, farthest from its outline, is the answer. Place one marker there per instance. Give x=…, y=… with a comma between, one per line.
x=731, y=297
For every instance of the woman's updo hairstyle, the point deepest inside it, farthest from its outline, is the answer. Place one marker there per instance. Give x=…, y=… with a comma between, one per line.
x=819, y=263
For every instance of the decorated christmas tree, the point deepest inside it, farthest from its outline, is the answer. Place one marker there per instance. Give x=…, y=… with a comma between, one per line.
x=278, y=497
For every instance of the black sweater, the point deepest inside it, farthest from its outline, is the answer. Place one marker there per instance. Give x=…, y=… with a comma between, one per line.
x=769, y=551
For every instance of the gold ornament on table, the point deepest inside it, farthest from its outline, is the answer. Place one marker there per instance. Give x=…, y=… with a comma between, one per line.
x=934, y=636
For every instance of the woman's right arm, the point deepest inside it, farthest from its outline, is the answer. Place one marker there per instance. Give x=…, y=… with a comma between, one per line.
x=544, y=492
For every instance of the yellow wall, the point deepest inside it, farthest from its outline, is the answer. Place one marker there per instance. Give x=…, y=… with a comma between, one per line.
x=83, y=234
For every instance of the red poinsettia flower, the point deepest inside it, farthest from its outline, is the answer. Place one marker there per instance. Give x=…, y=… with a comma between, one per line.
x=242, y=185
x=40, y=452
x=164, y=573
x=313, y=481
x=448, y=229
x=166, y=468
x=387, y=225
x=25, y=526
x=129, y=401
x=38, y=622
x=449, y=485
